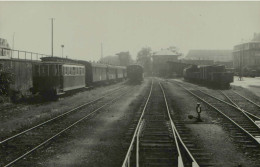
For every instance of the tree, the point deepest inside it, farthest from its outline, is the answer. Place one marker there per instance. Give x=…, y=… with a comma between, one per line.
x=6, y=79
x=144, y=58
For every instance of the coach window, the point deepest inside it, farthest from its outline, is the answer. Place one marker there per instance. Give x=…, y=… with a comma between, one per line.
x=44, y=70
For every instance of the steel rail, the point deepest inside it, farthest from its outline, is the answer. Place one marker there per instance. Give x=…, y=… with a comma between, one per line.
x=177, y=135
x=58, y=116
x=246, y=98
x=65, y=129
x=126, y=161
x=248, y=113
x=231, y=120
x=234, y=106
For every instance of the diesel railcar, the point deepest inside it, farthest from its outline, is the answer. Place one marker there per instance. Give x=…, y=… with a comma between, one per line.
x=56, y=75
x=52, y=78
x=213, y=75
x=135, y=73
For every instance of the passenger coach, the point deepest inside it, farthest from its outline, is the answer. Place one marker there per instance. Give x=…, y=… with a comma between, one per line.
x=51, y=78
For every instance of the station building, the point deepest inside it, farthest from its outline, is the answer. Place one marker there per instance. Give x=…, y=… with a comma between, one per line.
x=247, y=55
x=160, y=59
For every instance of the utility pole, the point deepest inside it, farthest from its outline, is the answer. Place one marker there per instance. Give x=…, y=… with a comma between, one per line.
x=52, y=37
x=62, y=46
x=101, y=50
x=12, y=52
x=13, y=40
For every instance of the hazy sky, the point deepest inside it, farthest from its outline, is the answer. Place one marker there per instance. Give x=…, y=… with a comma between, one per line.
x=127, y=26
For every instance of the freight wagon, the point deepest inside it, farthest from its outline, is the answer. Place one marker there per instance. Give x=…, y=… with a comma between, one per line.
x=215, y=75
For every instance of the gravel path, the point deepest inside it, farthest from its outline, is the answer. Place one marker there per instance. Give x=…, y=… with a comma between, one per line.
x=210, y=133
x=14, y=120
x=95, y=142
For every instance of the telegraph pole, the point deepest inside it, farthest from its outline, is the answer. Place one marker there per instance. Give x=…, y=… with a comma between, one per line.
x=101, y=50
x=12, y=52
x=62, y=46
x=13, y=40
x=52, y=37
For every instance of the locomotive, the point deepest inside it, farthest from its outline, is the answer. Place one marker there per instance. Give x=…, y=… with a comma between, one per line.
x=135, y=73
x=54, y=75
x=211, y=75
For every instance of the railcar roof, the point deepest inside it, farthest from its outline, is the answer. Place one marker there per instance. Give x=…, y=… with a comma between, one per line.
x=59, y=63
x=116, y=67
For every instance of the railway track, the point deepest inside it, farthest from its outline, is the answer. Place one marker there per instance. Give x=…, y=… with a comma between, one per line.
x=17, y=147
x=250, y=108
x=159, y=139
x=242, y=128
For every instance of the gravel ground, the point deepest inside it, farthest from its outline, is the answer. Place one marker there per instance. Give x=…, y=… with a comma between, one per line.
x=210, y=134
x=100, y=141
x=95, y=142
x=14, y=120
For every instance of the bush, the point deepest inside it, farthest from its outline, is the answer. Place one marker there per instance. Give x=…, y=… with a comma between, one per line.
x=6, y=78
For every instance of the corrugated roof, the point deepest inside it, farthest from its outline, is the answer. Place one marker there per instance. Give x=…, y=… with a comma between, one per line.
x=216, y=55
x=195, y=53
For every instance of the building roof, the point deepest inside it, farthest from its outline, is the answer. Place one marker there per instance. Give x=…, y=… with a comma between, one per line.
x=166, y=52
x=216, y=55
